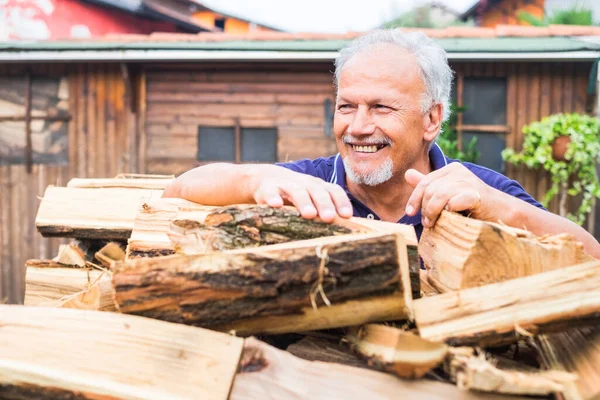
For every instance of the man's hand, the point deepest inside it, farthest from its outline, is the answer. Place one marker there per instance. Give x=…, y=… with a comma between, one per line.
x=311, y=196
x=452, y=188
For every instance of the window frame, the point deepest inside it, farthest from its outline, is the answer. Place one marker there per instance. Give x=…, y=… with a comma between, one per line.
x=460, y=127
x=237, y=132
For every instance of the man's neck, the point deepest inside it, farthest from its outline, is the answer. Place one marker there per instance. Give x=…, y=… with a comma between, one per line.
x=389, y=199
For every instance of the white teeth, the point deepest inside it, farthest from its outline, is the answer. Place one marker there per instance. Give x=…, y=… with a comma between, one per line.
x=365, y=149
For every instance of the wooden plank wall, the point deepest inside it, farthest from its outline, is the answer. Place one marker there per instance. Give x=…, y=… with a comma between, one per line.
x=99, y=146
x=290, y=98
x=534, y=90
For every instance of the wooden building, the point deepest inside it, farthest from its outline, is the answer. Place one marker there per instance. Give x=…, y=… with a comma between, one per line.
x=489, y=13
x=168, y=103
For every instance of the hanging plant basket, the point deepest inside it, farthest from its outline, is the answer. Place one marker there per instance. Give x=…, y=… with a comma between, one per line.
x=559, y=147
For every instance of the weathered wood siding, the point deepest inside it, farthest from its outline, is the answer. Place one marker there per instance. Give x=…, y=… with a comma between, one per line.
x=100, y=145
x=535, y=90
x=289, y=98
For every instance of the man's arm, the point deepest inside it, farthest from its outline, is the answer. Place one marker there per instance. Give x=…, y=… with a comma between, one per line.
x=223, y=184
x=455, y=188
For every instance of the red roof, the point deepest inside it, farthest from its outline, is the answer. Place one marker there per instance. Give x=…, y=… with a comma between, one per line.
x=450, y=32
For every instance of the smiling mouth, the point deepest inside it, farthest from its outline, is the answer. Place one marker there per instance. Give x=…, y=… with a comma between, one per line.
x=368, y=149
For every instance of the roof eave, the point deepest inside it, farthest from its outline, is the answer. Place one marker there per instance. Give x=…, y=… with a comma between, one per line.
x=155, y=55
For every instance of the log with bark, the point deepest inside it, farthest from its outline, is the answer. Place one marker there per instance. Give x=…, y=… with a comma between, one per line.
x=236, y=227
x=461, y=252
x=106, y=213
x=576, y=351
x=76, y=354
x=397, y=351
x=508, y=311
x=268, y=373
x=273, y=288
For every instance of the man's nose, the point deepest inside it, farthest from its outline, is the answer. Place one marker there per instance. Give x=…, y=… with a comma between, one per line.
x=362, y=123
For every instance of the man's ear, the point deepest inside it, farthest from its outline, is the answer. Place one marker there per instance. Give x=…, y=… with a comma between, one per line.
x=433, y=122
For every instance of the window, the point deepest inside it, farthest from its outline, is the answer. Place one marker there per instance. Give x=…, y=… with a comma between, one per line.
x=220, y=23
x=484, y=117
x=237, y=144
x=33, y=120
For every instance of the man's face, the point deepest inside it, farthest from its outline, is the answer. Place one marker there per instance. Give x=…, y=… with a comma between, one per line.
x=378, y=123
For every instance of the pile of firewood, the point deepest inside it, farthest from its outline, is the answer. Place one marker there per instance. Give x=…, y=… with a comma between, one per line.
x=183, y=286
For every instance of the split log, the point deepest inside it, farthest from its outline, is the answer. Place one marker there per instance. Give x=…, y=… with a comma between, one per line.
x=397, y=351
x=507, y=311
x=157, y=183
x=149, y=236
x=111, y=253
x=70, y=255
x=221, y=289
x=268, y=373
x=48, y=283
x=97, y=296
x=76, y=354
x=576, y=351
x=486, y=373
x=90, y=213
x=461, y=252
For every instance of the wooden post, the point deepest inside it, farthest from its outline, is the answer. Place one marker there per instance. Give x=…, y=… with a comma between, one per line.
x=28, y=145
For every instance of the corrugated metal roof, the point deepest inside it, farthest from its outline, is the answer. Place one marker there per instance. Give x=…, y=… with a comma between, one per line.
x=452, y=45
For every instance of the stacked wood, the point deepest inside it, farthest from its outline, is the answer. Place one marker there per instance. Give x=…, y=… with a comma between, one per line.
x=265, y=372
x=106, y=213
x=108, y=355
x=576, y=351
x=276, y=284
x=461, y=252
x=508, y=311
x=60, y=353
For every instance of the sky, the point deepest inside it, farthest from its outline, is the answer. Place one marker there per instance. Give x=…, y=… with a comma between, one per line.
x=324, y=15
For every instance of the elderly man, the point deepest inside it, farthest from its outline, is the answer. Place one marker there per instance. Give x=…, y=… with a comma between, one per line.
x=393, y=92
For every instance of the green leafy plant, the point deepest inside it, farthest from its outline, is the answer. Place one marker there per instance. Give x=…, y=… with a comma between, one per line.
x=574, y=175
x=576, y=15
x=448, y=140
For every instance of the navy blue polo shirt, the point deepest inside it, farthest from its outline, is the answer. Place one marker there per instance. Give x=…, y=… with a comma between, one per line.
x=331, y=169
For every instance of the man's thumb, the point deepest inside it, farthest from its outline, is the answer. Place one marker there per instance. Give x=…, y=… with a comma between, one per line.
x=413, y=177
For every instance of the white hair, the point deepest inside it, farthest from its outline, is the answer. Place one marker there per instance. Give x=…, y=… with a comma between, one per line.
x=431, y=59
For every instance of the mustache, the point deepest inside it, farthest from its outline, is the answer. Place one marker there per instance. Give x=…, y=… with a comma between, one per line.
x=349, y=139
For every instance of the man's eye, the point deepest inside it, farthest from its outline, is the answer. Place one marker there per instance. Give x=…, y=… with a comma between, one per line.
x=381, y=107
x=344, y=107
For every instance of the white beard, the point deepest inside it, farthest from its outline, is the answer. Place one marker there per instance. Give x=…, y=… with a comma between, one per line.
x=359, y=176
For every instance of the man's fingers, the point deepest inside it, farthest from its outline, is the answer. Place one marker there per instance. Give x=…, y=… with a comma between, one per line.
x=300, y=198
x=417, y=180
x=432, y=210
x=322, y=200
x=269, y=195
x=464, y=201
x=340, y=200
